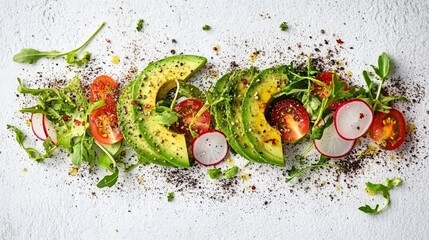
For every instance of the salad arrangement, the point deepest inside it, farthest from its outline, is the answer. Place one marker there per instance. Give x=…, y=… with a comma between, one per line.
x=170, y=122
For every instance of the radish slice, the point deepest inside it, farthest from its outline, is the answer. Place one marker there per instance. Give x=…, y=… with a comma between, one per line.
x=37, y=125
x=332, y=145
x=210, y=148
x=49, y=130
x=352, y=119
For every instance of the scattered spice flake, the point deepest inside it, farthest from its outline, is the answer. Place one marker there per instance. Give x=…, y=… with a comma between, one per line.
x=411, y=128
x=216, y=48
x=284, y=26
x=244, y=177
x=25, y=170
x=254, y=56
x=139, y=26
x=339, y=41
x=206, y=27
x=170, y=196
x=108, y=40
x=140, y=180
x=73, y=171
x=115, y=59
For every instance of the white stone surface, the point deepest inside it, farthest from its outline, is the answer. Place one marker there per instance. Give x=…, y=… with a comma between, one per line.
x=46, y=203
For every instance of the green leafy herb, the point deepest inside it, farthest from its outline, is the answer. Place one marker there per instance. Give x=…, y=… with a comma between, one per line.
x=373, y=95
x=284, y=26
x=231, y=172
x=166, y=116
x=139, y=26
x=377, y=188
x=32, y=152
x=190, y=91
x=215, y=173
x=170, y=196
x=206, y=27
x=109, y=180
x=31, y=55
x=323, y=162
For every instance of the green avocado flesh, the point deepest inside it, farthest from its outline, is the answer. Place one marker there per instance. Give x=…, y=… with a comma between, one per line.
x=264, y=138
x=236, y=89
x=160, y=77
x=130, y=131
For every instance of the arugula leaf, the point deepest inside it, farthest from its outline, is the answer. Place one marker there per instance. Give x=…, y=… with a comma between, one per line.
x=377, y=188
x=83, y=151
x=323, y=162
x=170, y=196
x=32, y=152
x=374, y=97
x=383, y=68
x=105, y=159
x=109, y=180
x=166, y=116
x=31, y=55
x=231, y=172
x=190, y=91
x=215, y=173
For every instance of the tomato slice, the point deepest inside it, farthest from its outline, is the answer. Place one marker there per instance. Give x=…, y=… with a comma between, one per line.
x=103, y=87
x=321, y=92
x=290, y=118
x=103, y=125
x=388, y=129
x=187, y=109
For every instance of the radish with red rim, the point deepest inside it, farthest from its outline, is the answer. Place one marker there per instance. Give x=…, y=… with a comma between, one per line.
x=210, y=148
x=49, y=130
x=352, y=119
x=37, y=125
x=331, y=144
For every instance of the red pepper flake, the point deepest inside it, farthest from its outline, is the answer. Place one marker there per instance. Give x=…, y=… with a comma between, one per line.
x=339, y=41
x=253, y=187
x=66, y=118
x=77, y=122
x=108, y=40
x=361, y=115
x=134, y=102
x=245, y=82
x=147, y=106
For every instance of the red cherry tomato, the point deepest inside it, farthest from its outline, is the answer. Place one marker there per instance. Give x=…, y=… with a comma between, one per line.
x=388, y=129
x=187, y=109
x=321, y=92
x=103, y=87
x=290, y=118
x=103, y=125
x=103, y=122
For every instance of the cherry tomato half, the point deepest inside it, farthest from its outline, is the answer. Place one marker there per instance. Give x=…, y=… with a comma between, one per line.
x=290, y=118
x=388, y=129
x=187, y=109
x=103, y=87
x=103, y=125
x=321, y=92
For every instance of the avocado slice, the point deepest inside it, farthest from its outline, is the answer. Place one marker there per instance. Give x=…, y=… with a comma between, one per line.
x=235, y=92
x=129, y=128
x=158, y=78
x=265, y=139
x=218, y=110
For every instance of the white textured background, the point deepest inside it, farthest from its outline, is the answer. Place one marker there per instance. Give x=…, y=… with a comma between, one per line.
x=44, y=202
